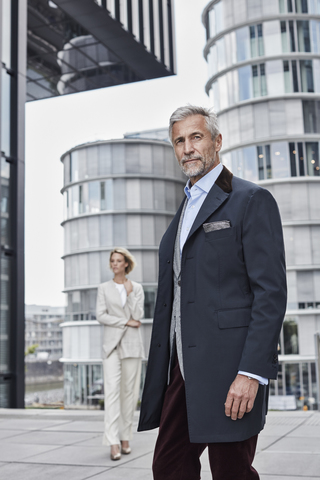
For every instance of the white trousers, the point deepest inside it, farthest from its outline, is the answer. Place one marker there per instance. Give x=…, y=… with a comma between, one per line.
x=121, y=392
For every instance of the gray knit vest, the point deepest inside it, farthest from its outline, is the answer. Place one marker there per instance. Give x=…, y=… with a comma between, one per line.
x=175, y=329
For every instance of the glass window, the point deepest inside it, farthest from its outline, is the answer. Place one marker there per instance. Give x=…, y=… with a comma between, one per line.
x=287, y=77
x=301, y=159
x=106, y=230
x=212, y=23
x=93, y=231
x=313, y=158
x=150, y=294
x=273, y=38
x=145, y=158
x=280, y=161
x=92, y=155
x=105, y=159
x=306, y=73
x=219, y=17
x=304, y=40
x=120, y=229
x=293, y=166
x=74, y=191
x=6, y=33
x=158, y=159
x=292, y=379
x=311, y=116
x=315, y=35
x=314, y=6
x=282, y=7
x=212, y=60
x=316, y=75
x=245, y=88
x=147, y=227
x=94, y=197
x=260, y=162
x=295, y=76
x=292, y=38
x=243, y=44
x=94, y=268
x=284, y=37
x=275, y=77
x=132, y=158
x=221, y=51
x=5, y=111
x=301, y=6
x=134, y=230
x=74, y=167
x=250, y=164
x=118, y=158
x=290, y=337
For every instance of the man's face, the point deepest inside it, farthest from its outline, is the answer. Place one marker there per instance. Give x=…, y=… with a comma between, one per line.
x=194, y=148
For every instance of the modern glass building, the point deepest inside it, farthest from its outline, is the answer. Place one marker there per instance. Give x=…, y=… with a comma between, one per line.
x=54, y=48
x=116, y=193
x=264, y=82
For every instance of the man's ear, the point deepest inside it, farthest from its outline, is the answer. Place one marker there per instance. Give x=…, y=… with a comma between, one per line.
x=218, y=143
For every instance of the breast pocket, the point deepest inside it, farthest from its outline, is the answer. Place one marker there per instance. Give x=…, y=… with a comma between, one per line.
x=219, y=234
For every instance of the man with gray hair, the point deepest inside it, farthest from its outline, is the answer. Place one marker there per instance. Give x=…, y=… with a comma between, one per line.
x=220, y=306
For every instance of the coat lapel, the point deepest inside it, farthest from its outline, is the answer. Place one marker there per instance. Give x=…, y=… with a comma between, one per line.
x=216, y=197
x=169, y=237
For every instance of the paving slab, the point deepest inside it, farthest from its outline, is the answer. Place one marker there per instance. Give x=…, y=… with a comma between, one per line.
x=287, y=463
x=41, y=437
x=67, y=445
x=15, y=471
x=21, y=452
x=76, y=426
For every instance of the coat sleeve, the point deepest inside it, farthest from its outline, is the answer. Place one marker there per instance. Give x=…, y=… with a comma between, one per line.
x=103, y=315
x=263, y=249
x=135, y=302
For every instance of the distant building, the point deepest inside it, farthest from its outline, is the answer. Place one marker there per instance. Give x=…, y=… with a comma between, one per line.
x=50, y=48
x=264, y=83
x=117, y=193
x=43, y=329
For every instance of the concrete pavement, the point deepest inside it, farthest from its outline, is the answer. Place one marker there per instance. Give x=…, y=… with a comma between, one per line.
x=66, y=445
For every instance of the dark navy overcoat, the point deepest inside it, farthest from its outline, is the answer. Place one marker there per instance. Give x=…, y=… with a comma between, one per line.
x=233, y=300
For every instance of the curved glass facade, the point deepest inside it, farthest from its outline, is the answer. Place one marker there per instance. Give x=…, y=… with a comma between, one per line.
x=224, y=14
x=117, y=193
x=264, y=82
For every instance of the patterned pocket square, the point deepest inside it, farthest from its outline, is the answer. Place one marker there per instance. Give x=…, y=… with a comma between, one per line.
x=210, y=227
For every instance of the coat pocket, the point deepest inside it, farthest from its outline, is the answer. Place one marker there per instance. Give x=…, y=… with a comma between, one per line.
x=234, y=318
x=217, y=234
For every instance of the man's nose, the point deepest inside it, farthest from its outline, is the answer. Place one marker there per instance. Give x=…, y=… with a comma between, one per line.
x=188, y=147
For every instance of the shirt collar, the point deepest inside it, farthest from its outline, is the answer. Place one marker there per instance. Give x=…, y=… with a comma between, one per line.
x=206, y=182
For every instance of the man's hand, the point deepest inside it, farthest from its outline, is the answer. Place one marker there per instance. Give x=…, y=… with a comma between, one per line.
x=133, y=323
x=241, y=396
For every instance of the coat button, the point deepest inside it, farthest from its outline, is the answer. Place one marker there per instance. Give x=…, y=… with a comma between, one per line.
x=168, y=261
x=164, y=304
x=159, y=345
x=179, y=283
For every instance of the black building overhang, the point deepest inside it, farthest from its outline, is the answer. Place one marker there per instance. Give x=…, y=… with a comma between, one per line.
x=76, y=45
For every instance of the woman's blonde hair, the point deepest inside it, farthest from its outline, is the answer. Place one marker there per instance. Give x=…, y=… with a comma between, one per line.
x=129, y=258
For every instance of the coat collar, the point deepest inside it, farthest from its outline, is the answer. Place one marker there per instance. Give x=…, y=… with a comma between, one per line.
x=217, y=196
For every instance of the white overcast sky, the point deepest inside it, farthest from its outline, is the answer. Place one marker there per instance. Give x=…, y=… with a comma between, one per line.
x=55, y=125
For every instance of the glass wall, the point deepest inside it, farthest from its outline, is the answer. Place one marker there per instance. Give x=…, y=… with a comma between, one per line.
x=268, y=38
x=122, y=194
x=127, y=157
x=226, y=14
x=276, y=160
x=273, y=78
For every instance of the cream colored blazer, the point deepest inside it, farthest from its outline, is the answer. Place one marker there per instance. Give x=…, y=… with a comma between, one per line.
x=114, y=318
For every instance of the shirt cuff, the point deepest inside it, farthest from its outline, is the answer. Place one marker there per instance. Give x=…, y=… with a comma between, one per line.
x=262, y=380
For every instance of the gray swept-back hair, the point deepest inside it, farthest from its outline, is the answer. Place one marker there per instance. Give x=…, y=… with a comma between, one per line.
x=183, y=112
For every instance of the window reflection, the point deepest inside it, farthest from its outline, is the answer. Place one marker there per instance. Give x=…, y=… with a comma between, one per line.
x=290, y=337
x=312, y=149
x=311, y=116
x=304, y=41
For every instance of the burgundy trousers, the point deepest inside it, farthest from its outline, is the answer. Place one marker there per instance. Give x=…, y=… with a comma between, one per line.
x=176, y=458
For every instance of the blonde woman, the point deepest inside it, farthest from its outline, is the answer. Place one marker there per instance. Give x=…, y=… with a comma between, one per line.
x=120, y=309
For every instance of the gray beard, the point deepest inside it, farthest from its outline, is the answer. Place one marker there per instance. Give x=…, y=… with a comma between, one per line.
x=196, y=170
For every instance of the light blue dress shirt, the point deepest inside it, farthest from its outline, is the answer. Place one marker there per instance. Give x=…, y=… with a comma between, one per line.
x=196, y=195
